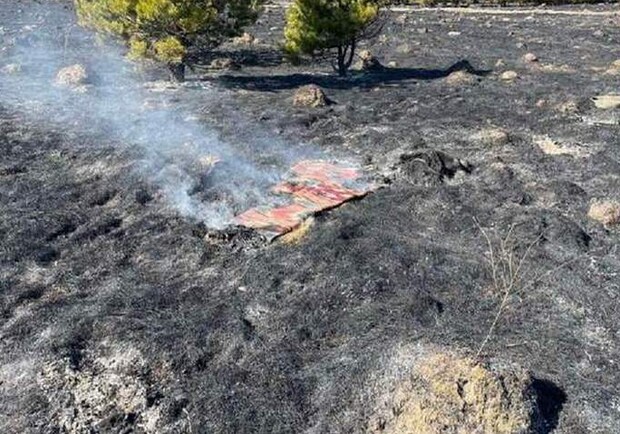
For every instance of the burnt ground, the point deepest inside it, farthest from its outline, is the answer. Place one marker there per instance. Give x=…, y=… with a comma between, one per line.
x=118, y=314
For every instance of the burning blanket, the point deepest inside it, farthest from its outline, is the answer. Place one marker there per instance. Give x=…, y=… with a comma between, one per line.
x=315, y=186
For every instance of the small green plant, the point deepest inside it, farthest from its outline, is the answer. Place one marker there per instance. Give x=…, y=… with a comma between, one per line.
x=168, y=30
x=316, y=27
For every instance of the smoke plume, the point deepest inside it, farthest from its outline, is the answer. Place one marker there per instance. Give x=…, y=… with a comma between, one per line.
x=156, y=121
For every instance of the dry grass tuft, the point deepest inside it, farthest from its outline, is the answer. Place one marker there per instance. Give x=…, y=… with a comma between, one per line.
x=557, y=69
x=299, y=233
x=614, y=68
x=506, y=268
x=110, y=387
x=447, y=393
x=552, y=147
x=606, y=212
x=492, y=137
x=461, y=78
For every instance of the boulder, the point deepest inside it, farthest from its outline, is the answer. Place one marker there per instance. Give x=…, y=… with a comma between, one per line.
x=402, y=19
x=568, y=107
x=606, y=101
x=74, y=76
x=509, y=76
x=310, y=96
x=404, y=48
x=449, y=393
x=614, y=69
x=557, y=69
x=530, y=58
x=461, y=78
x=224, y=63
x=606, y=212
x=11, y=69
x=245, y=39
x=368, y=62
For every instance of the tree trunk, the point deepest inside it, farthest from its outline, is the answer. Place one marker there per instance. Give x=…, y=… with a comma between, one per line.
x=345, y=58
x=349, y=61
x=342, y=68
x=177, y=72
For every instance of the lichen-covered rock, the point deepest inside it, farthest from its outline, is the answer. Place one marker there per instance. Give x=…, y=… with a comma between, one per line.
x=72, y=76
x=509, y=76
x=309, y=96
x=550, y=146
x=614, y=68
x=461, y=78
x=224, y=63
x=446, y=393
x=556, y=69
x=245, y=39
x=368, y=62
x=11, y=69
x=606, y=101
x=402, y=18
x=606, y=212
x=568, y=107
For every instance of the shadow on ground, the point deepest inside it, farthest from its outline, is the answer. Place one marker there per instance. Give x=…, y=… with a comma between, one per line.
x=264, y=57
x=550, y=400
x=272, y=83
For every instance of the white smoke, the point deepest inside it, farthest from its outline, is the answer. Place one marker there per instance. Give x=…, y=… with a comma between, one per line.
x=173, y=147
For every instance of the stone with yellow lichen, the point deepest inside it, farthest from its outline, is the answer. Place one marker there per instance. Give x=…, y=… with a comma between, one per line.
x=606, y=212
x=450, y=394
x=309, y=96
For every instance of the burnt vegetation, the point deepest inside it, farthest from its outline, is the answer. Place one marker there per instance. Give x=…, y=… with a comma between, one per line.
x=475, y=288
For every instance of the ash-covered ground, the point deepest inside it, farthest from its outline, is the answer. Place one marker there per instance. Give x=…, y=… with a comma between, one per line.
x=119, y=313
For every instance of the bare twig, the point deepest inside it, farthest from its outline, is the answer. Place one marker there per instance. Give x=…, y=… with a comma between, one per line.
x=189, y=421
x=507, y=286
x=505, y=273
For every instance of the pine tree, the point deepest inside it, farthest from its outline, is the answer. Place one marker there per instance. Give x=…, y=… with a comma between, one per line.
x=315, y=27
x=168, y=30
